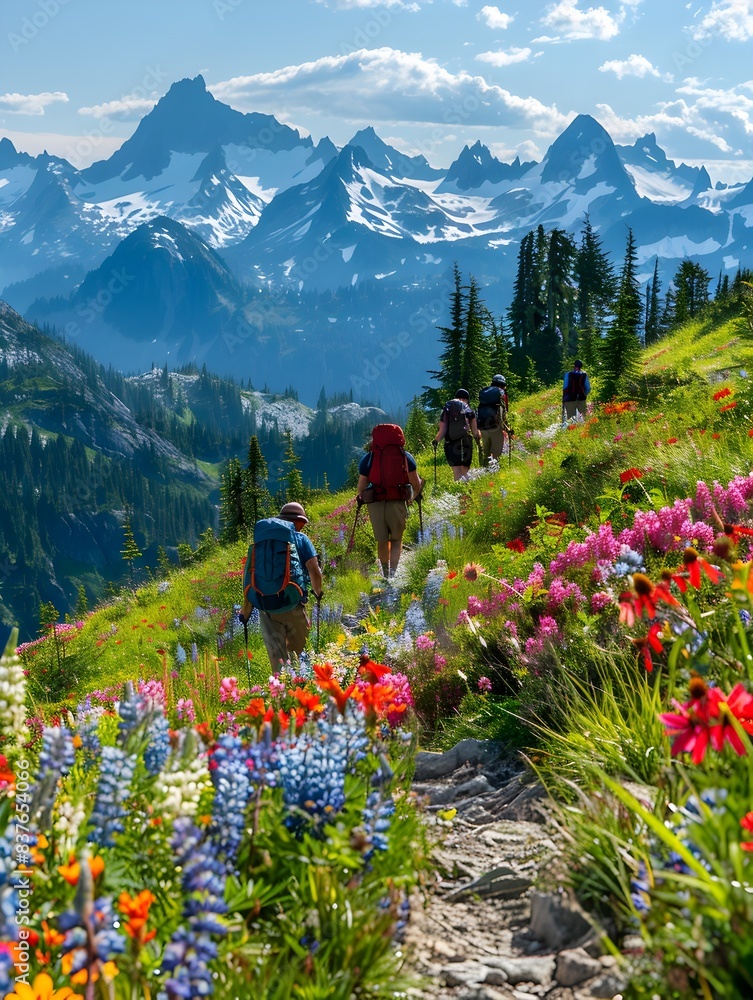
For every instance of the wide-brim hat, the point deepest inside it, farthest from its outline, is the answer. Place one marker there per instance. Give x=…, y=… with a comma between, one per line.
x=293, y=512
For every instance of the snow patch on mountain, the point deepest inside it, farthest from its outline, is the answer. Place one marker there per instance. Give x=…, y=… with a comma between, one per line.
x=678, y=247
x=658, y=187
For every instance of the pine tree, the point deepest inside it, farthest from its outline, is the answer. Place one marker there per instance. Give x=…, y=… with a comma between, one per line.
x=418, y=433
x=82, y=602
x=293, y=488
x=256, y=498
x=130, y=550
x=596, y=286
x=351, y=479
x=232, y=523
x=621, y=350
x=164, y=566
x=451, y=358
x=653, y=320
x=475, y=370
x=691, y=283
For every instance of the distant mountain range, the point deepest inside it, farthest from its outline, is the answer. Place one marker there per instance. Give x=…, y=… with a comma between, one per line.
x=228, y=238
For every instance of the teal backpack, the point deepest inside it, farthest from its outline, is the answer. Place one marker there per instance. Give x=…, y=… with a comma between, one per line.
x=274, y=579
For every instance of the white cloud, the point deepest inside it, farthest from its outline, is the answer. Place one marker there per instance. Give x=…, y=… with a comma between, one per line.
x=730, y=19
x=687, y=119
x=30, y=104
x=494, y=18
x=124, y=109
x=388, y=85
x=506, y=58
x=573, y=23
x=634, y=65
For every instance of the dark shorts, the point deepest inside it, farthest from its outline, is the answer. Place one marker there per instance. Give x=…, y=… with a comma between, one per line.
x=459, y=452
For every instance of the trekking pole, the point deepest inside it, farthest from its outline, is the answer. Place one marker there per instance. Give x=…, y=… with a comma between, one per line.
x=480, y=454
x=318, y=618
x=355, y=522
x=245, y=636
x=420, y=518
x=435, y=463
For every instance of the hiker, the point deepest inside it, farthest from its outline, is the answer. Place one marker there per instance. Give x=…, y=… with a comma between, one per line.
x=385, y=476
x=575, y=389
x=457, y=425
x=280, y=566
x=492, y=418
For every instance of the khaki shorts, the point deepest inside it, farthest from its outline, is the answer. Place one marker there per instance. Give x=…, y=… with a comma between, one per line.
x=284, y=634
x=493, y=442
x=388, y=519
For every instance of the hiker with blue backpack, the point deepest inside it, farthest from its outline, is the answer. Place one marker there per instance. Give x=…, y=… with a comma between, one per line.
x=458, y=429
x=280, y=566
x=388, y=481
x=492, y=418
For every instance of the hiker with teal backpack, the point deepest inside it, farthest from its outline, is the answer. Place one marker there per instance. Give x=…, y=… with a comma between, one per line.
x=280, y=566
x=576, y=386
x=387, y=482
x=458, y=429
x=492, y=418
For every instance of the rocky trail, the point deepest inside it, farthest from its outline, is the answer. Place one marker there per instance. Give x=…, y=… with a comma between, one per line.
x=483, y=930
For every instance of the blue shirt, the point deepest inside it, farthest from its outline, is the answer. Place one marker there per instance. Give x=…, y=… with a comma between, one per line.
x=364, y=467
x=306, y=551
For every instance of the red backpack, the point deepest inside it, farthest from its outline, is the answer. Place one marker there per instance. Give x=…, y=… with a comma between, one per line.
x=389, y=466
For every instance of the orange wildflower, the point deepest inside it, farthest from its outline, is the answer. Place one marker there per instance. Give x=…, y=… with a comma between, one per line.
x=136, y=910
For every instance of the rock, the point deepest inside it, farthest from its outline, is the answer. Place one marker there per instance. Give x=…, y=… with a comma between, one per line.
x=561, y=993
x=604, y=988
x=442, y=795
x=500, y=882
x=530, y=969
x=464, y=973
x=496, y=977
x=575, y=966
x=483, y=993
x=430, y=766
x=558, y=920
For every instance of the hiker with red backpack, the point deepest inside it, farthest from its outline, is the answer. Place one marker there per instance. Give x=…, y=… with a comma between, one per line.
x=280, y=566
x=458, y=428
x=388, y=481
x=575, y=389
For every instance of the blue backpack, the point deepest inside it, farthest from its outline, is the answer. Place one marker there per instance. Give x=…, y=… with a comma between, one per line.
x=274, y=579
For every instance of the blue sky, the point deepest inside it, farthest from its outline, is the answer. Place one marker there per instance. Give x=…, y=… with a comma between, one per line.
x=430, y=75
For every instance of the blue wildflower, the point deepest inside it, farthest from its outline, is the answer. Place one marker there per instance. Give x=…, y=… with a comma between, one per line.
x=56, y=759
x=180, y=654
x=640, y=887
x=629, y=561
x=132, y=710
x=115, y=774
x=96, y=931
x=232, y=790
x=158, y=748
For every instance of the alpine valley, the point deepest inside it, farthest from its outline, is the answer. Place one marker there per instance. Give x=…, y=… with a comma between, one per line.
x=218, y=238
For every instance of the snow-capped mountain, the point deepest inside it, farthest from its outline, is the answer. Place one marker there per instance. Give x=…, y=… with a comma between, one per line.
x=222, y=217
x=476, y=170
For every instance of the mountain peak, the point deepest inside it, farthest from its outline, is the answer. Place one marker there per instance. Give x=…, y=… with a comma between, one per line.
x=584, y=144
x=390, y=160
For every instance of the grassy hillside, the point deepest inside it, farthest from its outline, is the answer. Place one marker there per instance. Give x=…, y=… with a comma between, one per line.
x=562, y=601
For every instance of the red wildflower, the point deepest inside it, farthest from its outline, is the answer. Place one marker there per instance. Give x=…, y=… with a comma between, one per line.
x=738, y=704
x=516, y=545
x=696, y=565
x=452, y=574
x=736, y=531
x=722, y=393
x=729, y=406
x=747, y=824
x=629, y=474
x=750, y=433
x=690, y=728
x=627, y=609
x=716, y=436
x=671, y=440
x=648, y=642
x=372, y=672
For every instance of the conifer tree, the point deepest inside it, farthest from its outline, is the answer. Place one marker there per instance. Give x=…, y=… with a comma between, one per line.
x=130, y=550
x=351, y=479
x=653, y=325
x=232, y=523
x=164, y=566
x=293, y=488
x=452, y=338
x=620, y=353
x=82, y=602
x=691, y=283
x=475, y=371
x=256, y=498
x=418, y=433
x=596, y=286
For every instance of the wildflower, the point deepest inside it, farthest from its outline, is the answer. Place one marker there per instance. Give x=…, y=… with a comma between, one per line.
x=484, y=684
x=452, y=574
x=648, y=642
x=41, y=989
x=672, y=440
x=185, y=710
x=736, y=531
x=115, y=774
x=726, y=391
x=747, y=824
x=689, y=728
x=629, y=474
x=695, y=565
x=232, y=790
x=324, y=678
x=472, y=571
x=374, y=672
x=158, y=748
x=307, y=700
x=640, y=886
x=516, y=545
x=229, y=689
x=136, y=909
x=738, y=704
